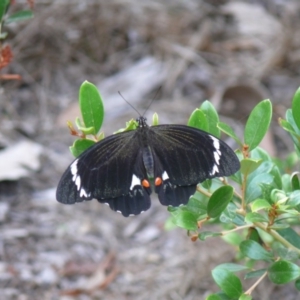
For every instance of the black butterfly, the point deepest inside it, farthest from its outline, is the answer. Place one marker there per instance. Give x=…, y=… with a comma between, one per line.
x=116, y=170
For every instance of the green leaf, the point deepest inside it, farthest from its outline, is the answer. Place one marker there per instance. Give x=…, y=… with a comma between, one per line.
x=277, y=176
x=255, y=251
x=287, y=126
x=295, y=181
x=3, y=8
x=80, y=146
x=186, y=219
x=20, y=16
x=255, y=217
x=155, y=120
x=259, y=153
x=233, y=238
x=260, y=204
x=91, y=106
x=284, y=253
x=258, y=123
x=253, y=189
x=198, y=120
x=232, y=267
x=219, y=200
x=290, y=119
x=229, y=283
x=207, y=184
x=286, y=183
x=131, y=125
x=196, y=206
x=229, y=131
x=245, y=297
x=281, y=272
x=296, y=107
x=213, y=297
x=254, y=274
x=212, y=118
x=249, y=165
x=297, y=284
x=294, y=198
x=291, y=236
x=278, y=226
x=87, y=131
x=206, y=234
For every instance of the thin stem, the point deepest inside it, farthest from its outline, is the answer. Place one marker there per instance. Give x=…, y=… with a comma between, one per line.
x=250, y=290
x=236, y=229
x=207, y=194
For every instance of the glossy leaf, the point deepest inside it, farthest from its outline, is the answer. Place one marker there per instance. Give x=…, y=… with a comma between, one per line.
x=198, y=120
x=254, y=274
x=253, y=189
x=287, y=126
x=255, y=251
x=297, y=284
x=186, y=219
x=219, y=200
x=233, y=238
x=232, y=267
x=212, y=118
x=260, y=204
x=229, y=283
x=294, y=199
x=3, y=8
x=213, y=297
x=291, y=236
x=255, y=217
x=295, y=181
x=258, y=124
x=229, y=131
x=296, y=107
x=249, y=165
x=207, y=184
x=20, y=16
x=281, y=272
x=245, y=297
x=91, y=106
x=79, y=146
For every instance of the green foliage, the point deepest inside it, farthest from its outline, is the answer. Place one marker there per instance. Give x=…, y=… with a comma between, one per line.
x=256, y=214
x=6, y=18
x=258, y=124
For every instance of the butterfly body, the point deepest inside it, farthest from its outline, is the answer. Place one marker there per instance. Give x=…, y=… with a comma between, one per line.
x=117, y=170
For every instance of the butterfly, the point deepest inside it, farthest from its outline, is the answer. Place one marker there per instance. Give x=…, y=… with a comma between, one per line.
x=117, y=169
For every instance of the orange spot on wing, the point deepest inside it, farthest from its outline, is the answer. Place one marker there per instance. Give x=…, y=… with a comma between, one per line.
x=158, y=181
x=145, y=183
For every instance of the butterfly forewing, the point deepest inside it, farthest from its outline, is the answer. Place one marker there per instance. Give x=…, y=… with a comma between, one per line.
x=190, y=156
x=103, y=171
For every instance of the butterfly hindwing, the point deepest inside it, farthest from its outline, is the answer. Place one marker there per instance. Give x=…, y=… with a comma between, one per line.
x=137, y=199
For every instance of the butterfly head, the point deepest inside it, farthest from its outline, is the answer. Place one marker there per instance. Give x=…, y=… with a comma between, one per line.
x=142, y=121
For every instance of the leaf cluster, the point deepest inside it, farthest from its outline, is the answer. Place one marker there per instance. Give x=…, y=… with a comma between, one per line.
x=257, y=209
x=6, y=18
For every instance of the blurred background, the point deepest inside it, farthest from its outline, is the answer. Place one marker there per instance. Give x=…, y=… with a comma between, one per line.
x=234, y=53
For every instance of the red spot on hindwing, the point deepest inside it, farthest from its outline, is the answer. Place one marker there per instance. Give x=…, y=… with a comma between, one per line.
x=145, y=183
x=158, y=181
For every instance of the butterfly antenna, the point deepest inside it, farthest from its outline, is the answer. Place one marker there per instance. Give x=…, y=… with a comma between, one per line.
x=128, y=103
x=159, y=89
